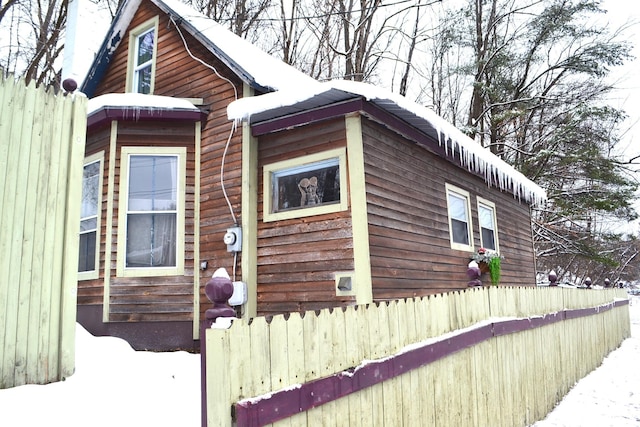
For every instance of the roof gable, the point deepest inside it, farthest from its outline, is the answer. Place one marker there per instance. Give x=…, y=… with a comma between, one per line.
x=253, y=66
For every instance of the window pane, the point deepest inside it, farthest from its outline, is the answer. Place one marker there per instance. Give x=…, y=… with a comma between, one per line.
x=87, y=260
x=88, y=224
x=153, y=183
x=457, y=208
x=459, y=232
x=90, y=181
x=144, y=80
x=145, y=47
x=311, y=186
x=488, y=240
x=88, y=215
x=486, y=217
x=151, y=240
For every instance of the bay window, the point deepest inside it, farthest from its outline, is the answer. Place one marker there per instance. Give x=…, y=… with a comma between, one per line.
x=151, y=219
x=90, y=217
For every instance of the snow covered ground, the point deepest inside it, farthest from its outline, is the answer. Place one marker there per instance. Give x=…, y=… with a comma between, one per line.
x=117, y=386
x=610, y=395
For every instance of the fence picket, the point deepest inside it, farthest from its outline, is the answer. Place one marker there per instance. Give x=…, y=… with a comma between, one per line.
x=489, y=380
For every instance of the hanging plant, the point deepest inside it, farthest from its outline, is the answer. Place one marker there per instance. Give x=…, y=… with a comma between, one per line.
x=494, y=270
x=492, y=261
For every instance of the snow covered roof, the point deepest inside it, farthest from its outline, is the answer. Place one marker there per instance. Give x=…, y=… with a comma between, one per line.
x=474, y=157
x=138, y=100
x=136, y=106
x=254, y=66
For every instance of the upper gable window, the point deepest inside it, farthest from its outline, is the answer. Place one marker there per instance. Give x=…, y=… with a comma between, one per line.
x=488, y=224
x=142, y=57
x=459, y=214
x=305, y=186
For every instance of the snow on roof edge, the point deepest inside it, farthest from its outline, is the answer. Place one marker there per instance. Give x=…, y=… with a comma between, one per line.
x=138, y=100
x=474, y=157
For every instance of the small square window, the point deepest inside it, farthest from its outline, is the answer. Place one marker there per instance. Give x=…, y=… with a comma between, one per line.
x=309, y=185
x=459, y=213
x=488, y=224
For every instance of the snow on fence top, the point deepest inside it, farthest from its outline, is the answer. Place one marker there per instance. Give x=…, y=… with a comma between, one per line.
x=474, y=157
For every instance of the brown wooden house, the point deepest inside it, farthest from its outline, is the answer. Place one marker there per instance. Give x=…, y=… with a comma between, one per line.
x=203, y=152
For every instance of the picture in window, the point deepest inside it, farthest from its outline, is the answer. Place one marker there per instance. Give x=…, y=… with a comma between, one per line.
x=152, y=211
x=306, y=186
x=486, y=216
x=459, y=220
x=89, y=216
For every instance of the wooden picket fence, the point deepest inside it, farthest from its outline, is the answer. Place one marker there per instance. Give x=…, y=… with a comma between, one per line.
x=493, y=356
x=42, y=136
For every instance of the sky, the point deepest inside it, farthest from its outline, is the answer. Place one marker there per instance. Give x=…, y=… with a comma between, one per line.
x=626, y=78
x=116, y=386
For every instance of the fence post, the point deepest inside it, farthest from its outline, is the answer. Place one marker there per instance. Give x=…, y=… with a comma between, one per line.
x=553, y=278
x=587, y=282
x=218, y=289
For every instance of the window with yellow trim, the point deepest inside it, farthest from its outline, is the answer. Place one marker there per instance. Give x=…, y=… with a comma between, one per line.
x=459, y=213
x=488, y=224
x=305, y=186
x=151, y=215
x=142, y=57
x=88, y=258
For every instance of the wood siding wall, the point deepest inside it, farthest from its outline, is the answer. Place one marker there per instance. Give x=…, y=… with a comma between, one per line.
x=297, y=258
x=179, y=75
x=408, y=224
x=41, y=151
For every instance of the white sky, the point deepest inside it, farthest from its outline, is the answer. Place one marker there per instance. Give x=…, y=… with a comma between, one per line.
x=627, y=78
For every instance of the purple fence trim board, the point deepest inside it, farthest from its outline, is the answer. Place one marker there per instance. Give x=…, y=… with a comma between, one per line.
x=505, y=327
x=285, y=403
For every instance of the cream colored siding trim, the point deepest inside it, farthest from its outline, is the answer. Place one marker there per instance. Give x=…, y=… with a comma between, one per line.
x=108, y=244
x=362, y=282
x=89, y=275
x=196, y=236
x=133, y=35
x=249, y=259
x=272, y=168
x=181, y=152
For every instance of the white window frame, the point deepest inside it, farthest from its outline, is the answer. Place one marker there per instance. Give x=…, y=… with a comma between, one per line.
x=121, y=269
x=94, y=274
x=484, y=203
x=273, y=170
x=458, y=192
x=133, y=67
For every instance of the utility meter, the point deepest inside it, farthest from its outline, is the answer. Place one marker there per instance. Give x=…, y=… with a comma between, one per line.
x=233, y=239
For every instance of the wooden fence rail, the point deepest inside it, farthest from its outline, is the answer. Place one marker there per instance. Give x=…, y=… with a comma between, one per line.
x=41, y=153
x=494, y=356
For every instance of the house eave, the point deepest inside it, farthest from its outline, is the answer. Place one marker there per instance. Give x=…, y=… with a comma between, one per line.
x=105, y=115
x=427, y=136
